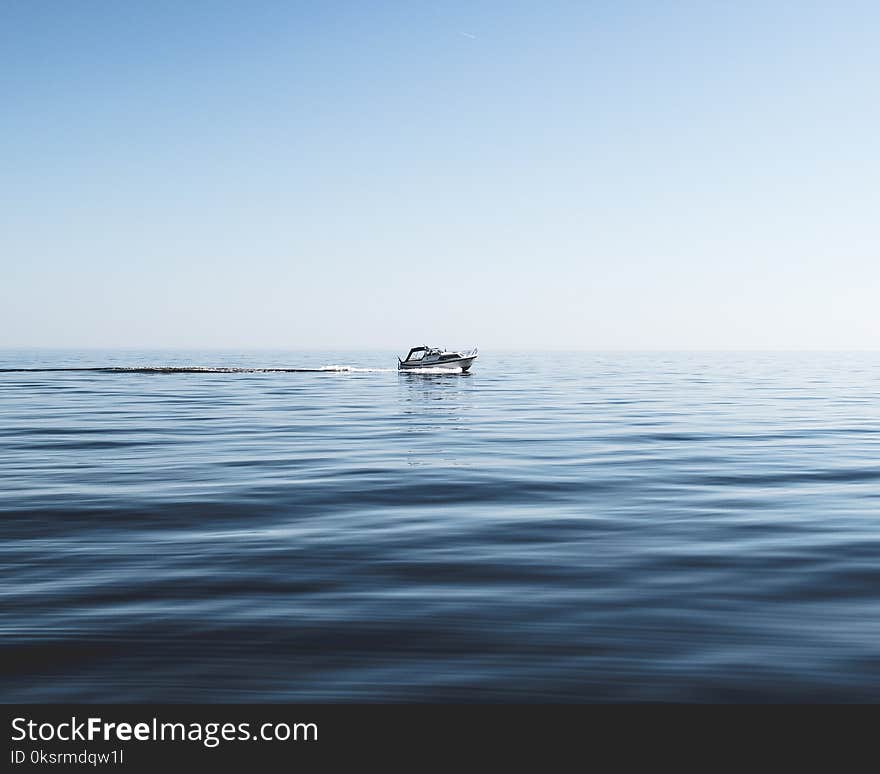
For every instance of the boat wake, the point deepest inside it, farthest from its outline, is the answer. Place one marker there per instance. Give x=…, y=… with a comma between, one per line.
x=356, y=370
x=227, y=370
x=161, y=370
x=423, y=370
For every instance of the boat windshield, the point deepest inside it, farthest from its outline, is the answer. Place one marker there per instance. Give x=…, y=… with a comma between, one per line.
x=415, y=354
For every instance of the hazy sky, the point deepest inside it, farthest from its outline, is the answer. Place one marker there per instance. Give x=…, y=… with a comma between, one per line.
x=369, y=174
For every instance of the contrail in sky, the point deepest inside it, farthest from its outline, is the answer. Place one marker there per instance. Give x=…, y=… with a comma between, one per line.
x=468, y=35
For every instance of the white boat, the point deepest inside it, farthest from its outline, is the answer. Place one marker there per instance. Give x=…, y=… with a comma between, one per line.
x=432, y=357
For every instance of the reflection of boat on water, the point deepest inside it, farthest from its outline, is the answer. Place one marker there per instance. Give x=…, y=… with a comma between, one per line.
x=432, y=357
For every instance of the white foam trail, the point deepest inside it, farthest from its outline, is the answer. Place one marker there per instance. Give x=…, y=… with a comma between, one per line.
x=345, y=369
x=355, y=369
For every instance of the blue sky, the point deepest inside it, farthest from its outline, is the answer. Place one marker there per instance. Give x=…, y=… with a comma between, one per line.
x=598, y=175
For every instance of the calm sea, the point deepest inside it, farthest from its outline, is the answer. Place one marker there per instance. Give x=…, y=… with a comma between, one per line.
x=550, y=527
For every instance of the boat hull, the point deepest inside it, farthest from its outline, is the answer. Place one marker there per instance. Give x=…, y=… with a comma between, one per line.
x=462, y=362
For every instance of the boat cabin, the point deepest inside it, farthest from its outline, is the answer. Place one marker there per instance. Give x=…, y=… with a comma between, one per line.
x=416, y=354
x=430, y=354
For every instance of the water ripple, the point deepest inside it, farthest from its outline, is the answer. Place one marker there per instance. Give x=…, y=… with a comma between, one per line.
x=565, y=527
